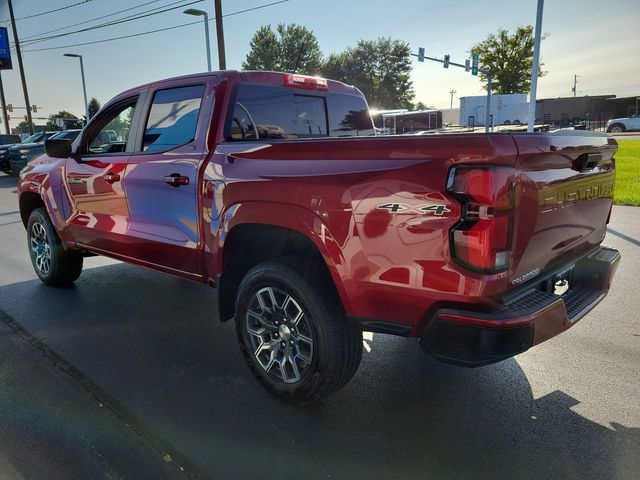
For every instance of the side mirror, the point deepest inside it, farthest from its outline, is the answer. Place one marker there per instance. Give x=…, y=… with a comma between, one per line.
x=58, y=148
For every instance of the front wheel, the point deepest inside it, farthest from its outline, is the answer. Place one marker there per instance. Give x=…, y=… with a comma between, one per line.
x=616, y=128
x=52, y=263
x=294, y=336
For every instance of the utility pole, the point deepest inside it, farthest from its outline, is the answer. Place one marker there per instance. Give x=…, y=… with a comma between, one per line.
x=452, y=92
x=222, y=61
x=534, y=69
x=575, y=85
x=5, y=115
x=19, y=55
x=84, y=86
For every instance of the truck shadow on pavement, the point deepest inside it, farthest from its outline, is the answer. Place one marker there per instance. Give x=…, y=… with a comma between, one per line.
x=151, y=346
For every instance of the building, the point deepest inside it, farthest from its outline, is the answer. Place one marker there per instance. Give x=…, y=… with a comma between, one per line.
x=506, y=109
x=450, y=116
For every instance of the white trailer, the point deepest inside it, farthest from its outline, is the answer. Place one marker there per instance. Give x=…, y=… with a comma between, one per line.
x=506, y=109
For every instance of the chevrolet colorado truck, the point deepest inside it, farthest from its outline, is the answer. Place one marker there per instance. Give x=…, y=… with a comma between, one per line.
x=273, y=188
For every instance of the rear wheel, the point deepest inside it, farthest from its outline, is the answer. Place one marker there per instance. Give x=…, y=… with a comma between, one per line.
x=52, y=263
x=616, y=128
x=294, y=336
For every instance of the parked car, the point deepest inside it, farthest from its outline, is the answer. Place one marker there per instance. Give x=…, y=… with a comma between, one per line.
x=35, y=139
x=23, y=153
x=9, y=139
x=617, y=125
x=481, y=246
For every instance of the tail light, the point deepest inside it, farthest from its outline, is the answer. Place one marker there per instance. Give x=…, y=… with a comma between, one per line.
x=304, y=81
x=481, y=241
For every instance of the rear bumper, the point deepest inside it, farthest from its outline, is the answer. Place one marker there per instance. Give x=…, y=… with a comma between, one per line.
x=522, y=319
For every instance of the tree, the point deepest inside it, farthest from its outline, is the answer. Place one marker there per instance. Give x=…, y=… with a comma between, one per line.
x=510, y=58
x=71, y=122
x=279, y=51
x=379, y=68
x=93, y=107
x=422, y=106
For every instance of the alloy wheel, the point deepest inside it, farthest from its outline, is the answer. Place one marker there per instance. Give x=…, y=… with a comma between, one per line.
x=279, y=335
x=41, y=248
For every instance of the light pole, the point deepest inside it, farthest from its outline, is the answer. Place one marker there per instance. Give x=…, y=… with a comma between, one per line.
x=534, y=68
x=202, y=13
x=84, y=85
x=452, y=92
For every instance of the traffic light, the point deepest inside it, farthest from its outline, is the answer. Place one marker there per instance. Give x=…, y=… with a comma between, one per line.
x=467, y=65
x=9, y=107
x=26, y=118
x=421, y=54
x=474, y=64
x=446, y=61
x=34, y=109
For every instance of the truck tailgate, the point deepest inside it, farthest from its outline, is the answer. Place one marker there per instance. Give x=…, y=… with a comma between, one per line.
x=564, y=198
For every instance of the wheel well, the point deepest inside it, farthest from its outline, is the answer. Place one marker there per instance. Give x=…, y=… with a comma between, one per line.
x=29, y=201
x=250, y=244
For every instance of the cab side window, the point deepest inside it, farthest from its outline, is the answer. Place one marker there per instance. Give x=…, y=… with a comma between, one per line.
x=173, y=118
x=113, y=135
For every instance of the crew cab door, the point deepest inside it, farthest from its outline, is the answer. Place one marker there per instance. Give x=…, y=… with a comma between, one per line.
x=162, y=176
x=100, y=216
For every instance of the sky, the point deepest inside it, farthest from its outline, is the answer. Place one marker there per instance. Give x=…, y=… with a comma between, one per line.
x=599, y=41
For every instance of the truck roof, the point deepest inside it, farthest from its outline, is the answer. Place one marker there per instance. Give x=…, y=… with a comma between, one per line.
x=258, y=76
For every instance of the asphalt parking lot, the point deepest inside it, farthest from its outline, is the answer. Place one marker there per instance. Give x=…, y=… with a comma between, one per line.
x=130, y=375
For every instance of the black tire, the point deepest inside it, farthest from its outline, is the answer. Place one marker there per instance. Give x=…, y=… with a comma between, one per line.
x=52, y=263
x=616, y=128
x=336, y=348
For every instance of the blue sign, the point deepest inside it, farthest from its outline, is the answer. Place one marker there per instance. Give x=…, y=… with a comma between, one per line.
x=5, y=51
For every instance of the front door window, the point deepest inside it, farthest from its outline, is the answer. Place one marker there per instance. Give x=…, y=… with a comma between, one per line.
x=113, y=137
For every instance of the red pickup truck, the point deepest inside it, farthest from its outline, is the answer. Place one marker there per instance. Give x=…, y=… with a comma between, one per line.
x=274, y=189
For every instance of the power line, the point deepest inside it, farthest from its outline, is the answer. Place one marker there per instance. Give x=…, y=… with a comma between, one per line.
x=111, y=23
x=154, y=31
x=51, y=11
x=92, y=20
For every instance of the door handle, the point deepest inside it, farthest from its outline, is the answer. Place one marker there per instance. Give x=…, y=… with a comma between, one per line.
x=111, y=177
x=176, y=180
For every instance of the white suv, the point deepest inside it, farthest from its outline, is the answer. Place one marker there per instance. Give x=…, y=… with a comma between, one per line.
x=617, y=125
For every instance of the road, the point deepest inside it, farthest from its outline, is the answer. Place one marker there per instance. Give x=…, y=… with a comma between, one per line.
x=177, y=400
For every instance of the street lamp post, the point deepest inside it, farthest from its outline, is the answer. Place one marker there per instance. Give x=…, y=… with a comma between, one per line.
x=202, y=13
x=534, y=68
x=84, y=85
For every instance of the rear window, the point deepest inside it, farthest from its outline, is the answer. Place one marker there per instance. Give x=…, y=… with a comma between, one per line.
x=264, y=112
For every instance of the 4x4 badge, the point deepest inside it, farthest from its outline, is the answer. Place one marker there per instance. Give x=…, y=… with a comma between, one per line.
x=436, y=209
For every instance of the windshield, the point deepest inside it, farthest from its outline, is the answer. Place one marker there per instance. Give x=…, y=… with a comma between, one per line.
x=66, y=135
x=33, y=138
